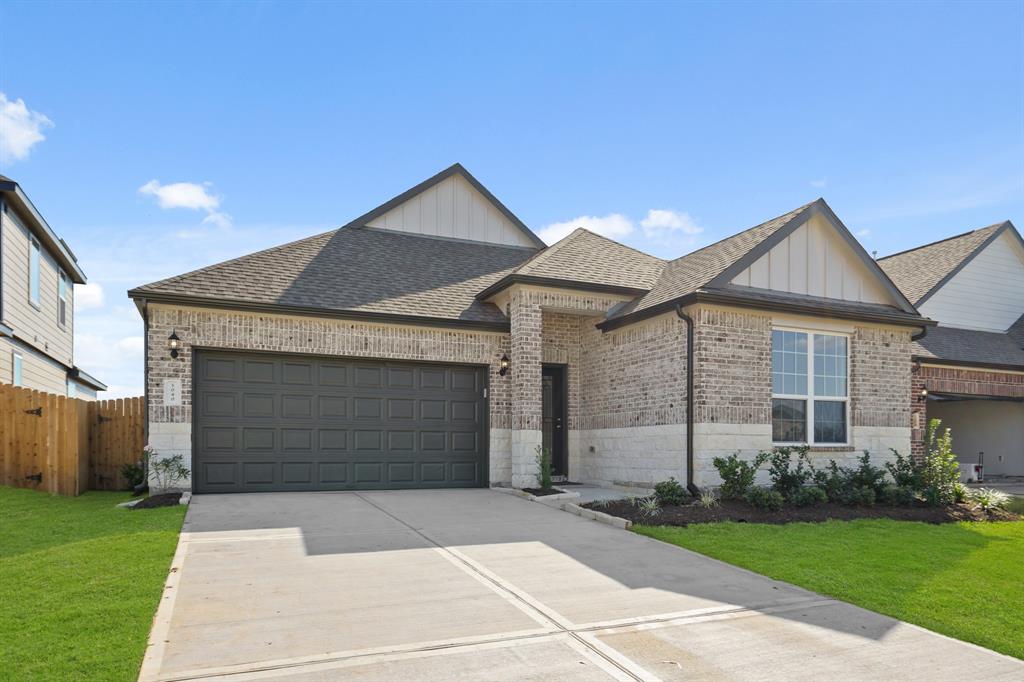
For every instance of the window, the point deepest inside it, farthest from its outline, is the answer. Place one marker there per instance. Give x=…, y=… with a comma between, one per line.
x=810, y=387
x=16, y=368
x=33, y=271
x=72, y=389
x=62, y=298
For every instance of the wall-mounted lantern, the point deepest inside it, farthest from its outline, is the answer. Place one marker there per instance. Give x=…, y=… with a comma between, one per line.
x=923, y=395
x=174, y=343
x=504, y=364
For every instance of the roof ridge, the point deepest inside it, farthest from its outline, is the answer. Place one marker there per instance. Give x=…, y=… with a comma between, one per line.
x=792, y=214
x=946, y=239
x=625, y=246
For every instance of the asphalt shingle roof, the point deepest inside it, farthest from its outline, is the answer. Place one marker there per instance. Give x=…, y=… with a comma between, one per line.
x=360, y=270
x=968, y=345
x=917, y=271
x=694, y=270
x=1016, y=331
x=584, y=256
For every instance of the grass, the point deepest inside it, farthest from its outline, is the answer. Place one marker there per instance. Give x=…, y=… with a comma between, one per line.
x=79, y=583
x=961, y=579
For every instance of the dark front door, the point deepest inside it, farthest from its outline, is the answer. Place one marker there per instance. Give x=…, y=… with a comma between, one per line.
x=553, y=389
x=291, y=422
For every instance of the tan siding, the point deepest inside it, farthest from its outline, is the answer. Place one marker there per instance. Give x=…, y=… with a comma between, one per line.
x=987, y=294
x=37, y=371
x=5, y=360
x=35, y=326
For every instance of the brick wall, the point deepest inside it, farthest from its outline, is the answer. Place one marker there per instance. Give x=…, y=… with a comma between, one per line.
x=733, y=357
x=880, y=377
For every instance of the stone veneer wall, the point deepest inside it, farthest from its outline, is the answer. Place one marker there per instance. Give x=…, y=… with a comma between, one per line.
x=170, y=427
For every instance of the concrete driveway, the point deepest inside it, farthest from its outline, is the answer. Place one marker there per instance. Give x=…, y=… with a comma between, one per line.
x=481, y=585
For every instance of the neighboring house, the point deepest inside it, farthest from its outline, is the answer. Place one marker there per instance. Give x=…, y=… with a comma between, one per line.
x=436, y=342
x=37, y=277
x=972, y=364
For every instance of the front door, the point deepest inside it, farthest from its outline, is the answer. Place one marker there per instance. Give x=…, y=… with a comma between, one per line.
x=553, y=427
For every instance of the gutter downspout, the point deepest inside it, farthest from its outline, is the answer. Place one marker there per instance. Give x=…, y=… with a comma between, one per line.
x=694, y=490
x=919, y=335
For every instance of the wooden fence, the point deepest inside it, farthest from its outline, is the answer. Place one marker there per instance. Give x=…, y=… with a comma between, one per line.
x=65, y=445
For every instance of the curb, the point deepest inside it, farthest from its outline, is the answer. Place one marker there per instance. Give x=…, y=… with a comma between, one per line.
x=559, y=502
x=600, y=517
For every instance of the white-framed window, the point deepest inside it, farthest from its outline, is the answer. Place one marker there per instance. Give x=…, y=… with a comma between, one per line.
x=72, y=389
x=16, y=369
x=62, y=298
x=33, y=271
x=810, y=387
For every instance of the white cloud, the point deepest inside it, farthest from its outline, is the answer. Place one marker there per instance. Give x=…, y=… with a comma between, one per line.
x=182, y=195
x=819, y=183
x=88, y=296
x=218, y=219
x=20, y=129
x=662, y=222
x=130, y=345
x=864, y=233
x=613, y=225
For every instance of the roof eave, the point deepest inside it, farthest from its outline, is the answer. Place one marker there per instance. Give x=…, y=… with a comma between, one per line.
x=142, y=298
x=974, y=364
x=967, y=259
x=54, y=244
x=83, y=377
x=509, y=280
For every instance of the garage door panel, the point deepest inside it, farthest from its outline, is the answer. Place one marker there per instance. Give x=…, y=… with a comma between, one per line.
x=268, y=422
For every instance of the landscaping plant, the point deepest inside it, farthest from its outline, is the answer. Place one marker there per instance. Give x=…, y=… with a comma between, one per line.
x=544, y=465
x=988, y=499
x=135, y=474
x=858, y=496
x=708, y=499
x=786, y=478
x=764, y=498
x=670, y=492
x=898, y=495
x=167, y=471
x=867, y=475
x=940, y=471
x=906, y=472
x=649, y=507
x=809, y=496
x=737, y=474
x=834, y=480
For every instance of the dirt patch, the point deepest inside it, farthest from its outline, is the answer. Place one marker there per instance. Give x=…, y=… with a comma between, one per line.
x=164, y=500
x=543, y=492
x=743, y=513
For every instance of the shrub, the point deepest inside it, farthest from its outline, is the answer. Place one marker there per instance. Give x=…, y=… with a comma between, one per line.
x=135, y=474
x=834, y=480
x=905, y=471
x=648, y=507
x=670, y=492
x=708, y=499
x=940, y=471
x=167, y=471
x=737, y=474
x=764, y=498
x=858, y=496
x=960, y=492
x=867, y=475
x=789, y=479
x=988, y=499
x=898, y=495
x=809, y=496
x=544, y=465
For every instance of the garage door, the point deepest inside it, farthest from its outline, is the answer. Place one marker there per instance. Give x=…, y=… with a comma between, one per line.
x=281, y=422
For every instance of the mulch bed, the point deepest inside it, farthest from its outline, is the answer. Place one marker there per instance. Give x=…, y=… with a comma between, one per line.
x=743, y=513
x=542, y=492
x=164, y=500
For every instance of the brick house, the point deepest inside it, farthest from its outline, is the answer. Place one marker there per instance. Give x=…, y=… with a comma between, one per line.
x=437, y=342
x=969, y=370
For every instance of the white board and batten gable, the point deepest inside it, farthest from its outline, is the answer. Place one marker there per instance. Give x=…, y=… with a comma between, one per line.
x=987, y=293
x=815, y=260
x=453, y=208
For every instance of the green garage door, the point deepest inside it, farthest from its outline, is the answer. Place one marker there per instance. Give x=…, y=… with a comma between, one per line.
x=290, y=422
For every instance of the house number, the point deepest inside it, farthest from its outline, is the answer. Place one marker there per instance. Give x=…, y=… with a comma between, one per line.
x=172, y=391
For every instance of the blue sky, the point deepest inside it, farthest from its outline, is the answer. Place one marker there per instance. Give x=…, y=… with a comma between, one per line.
x=288, y=119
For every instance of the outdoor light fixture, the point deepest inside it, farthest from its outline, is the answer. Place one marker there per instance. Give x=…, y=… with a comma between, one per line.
x=504, y=364
x=924, y=394
x=174, y=343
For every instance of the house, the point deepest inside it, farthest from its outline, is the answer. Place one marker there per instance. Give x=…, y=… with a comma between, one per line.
x=38, y=272
x=436, y=342
x=969, y=370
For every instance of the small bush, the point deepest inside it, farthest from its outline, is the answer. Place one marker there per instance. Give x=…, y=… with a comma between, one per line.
x=764, y=498
x=167, y=472
x=988, y=499
x=834, y=480
x=905, y=471
x=708, y=499
x=135, y=474
x=858, y=496
x=960, y=492
x=940, y=470
x=648, y=507
x=544, y=467
x=737, y=474
x=809, y=496
x=670, y=492
x=786, y=478
x=898, y=495
x=867, y=475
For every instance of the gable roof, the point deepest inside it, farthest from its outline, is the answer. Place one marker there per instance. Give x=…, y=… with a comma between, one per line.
x=586, y=260
x=38, y=226
x=454, y=169
x=951, y=345
x=351, y=272
x=709, y=270
x=922, y=271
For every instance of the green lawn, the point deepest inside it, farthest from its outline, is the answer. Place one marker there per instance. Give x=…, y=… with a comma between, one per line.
x=965, y=580
x=79, y=583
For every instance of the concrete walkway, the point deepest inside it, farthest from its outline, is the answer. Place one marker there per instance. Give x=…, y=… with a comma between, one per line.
x=480, y=585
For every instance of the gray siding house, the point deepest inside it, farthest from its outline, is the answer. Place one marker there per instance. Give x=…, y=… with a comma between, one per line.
x=436, y=342
x=38, y=272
